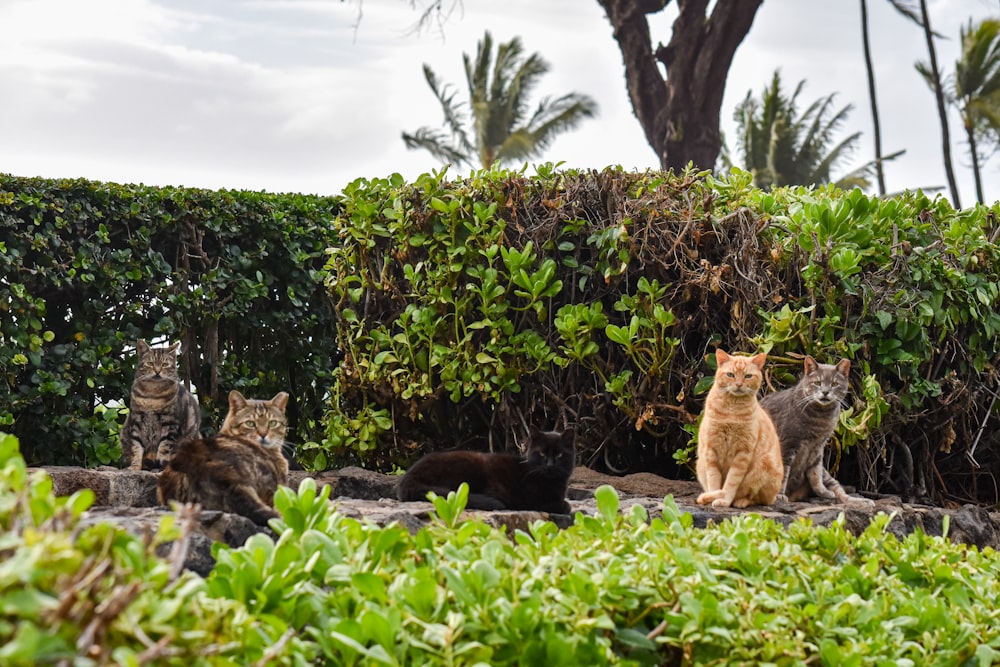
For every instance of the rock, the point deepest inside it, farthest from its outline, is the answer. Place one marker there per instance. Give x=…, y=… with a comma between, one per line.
x=351, y=482
x=207, y=528
x=111, y=486
x=129, y=498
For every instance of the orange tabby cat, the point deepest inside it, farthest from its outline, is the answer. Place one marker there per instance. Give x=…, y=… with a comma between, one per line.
x=739, y=454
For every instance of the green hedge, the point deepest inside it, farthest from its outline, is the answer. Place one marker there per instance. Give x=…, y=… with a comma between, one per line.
x=612, y=589
x=87, y=268
x=472, y=308
x=457, y=312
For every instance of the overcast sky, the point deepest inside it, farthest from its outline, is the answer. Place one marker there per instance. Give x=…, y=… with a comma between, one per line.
x=306, y=95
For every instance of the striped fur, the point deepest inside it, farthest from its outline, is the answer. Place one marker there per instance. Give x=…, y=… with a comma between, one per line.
x=239, y=469
x=739, y=454
x=162, y=412
x=805, y=416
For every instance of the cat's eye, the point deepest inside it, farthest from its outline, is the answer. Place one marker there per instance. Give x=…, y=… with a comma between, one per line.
x=730, y=375
x=250, y=423
x=273, y=423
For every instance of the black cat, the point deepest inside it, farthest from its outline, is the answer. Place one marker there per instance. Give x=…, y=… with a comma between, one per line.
x=538, y=481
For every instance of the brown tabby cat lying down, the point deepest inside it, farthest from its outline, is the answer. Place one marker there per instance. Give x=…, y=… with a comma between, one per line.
x=739, y=455
x=538, y=481
x=239, y=469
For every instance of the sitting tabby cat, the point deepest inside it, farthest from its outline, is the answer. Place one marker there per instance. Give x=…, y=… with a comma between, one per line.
x=239, y=469
x=805, y=416
x=162, y=412
x=739, y=456
x=538, y=481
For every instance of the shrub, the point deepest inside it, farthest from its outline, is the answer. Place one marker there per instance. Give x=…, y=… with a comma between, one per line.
x=615, y=588
x=87, y=268
x=472, y=308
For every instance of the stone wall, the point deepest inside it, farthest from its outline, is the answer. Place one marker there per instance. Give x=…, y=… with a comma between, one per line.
x=129, y=498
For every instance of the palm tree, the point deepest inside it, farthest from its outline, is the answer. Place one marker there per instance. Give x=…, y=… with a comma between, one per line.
x=976, y=86
x=780, y=147
x=497, y=124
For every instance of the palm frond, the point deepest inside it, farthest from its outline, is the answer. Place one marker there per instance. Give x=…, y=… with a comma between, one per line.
x=453, y=116
x=784, y=147
x=912, y=14
x=555, y=116
x=496, y=124
x=822, y=169
x=435, y=142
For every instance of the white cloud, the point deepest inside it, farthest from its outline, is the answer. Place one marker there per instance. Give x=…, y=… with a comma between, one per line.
x=297, y=95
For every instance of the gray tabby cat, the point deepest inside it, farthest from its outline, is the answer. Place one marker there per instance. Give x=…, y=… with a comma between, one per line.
x=805, y=416
x=162, y=412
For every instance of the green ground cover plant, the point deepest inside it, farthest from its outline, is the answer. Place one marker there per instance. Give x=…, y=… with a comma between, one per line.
x=95, y=595
x=615, y=588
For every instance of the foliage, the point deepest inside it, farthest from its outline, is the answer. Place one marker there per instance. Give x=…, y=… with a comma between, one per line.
x=467, y=310
x=779, y=146
x=498, y=124
x=908, y=287
x=975, y=90
x=500, y=296
x=89, y=594
x=614, y=588
x=470, y=309
x=87, y=268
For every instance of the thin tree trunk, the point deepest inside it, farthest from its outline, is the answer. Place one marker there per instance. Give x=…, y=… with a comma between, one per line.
x=970, y=132
x=942, y=109
x=879, y=174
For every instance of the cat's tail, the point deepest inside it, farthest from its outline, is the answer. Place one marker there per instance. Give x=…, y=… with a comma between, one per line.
x=174, y=486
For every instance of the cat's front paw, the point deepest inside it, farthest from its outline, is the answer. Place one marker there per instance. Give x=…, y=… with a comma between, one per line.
x=720, y=502
x=708, y=497
x=781, y=498
x=854, y=500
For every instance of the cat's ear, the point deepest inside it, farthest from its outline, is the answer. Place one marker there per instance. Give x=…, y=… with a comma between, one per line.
x=236, y=400
x=141, y=346
x=568, y=436
x=280, y=400
x=844, y=368
x=534, y=432
x=173, y=348
x=758, y=360
x=721, y=356
x=809, y=365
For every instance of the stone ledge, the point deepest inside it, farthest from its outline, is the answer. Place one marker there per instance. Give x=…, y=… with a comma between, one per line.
x=129, y=498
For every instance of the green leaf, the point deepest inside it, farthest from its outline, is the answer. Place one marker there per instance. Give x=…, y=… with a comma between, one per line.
x=607, y=502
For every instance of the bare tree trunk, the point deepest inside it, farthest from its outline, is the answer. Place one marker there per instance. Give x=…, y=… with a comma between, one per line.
x=680, y=112
x=942, y=109
x=970, y=132
x=879, y=173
